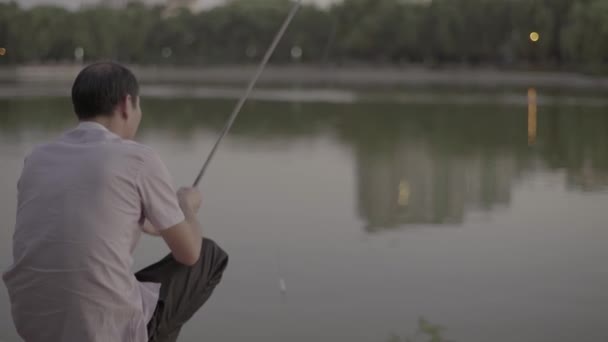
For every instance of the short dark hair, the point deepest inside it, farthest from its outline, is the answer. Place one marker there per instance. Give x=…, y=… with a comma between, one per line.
x=100, y=87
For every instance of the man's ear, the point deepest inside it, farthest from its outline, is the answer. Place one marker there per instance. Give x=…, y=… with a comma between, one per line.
x=125, y=107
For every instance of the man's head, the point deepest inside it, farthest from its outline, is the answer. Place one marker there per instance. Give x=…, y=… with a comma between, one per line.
x=108, y=93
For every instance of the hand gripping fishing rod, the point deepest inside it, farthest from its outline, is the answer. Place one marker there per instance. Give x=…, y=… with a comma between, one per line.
x=252, y=83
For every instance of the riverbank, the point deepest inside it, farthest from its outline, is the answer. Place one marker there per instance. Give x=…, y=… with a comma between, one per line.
x=314, y=76
x=339, y=86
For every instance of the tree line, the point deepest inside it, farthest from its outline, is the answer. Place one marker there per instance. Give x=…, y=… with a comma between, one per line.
x=572, y=33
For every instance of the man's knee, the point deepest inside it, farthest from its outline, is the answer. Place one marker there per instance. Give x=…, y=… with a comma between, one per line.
x=213, y=255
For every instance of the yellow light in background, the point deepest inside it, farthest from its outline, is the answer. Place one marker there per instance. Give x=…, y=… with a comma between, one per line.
x=404, y=193
x=532, y=116
x=534, y=37
x=2, y=51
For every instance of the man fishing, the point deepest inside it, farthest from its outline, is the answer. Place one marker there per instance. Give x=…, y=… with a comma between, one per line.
x=83, y=202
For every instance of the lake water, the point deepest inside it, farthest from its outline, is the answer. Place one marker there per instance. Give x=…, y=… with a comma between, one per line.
x=377, y=221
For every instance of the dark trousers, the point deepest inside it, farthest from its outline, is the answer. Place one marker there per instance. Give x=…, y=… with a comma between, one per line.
x=184, y=289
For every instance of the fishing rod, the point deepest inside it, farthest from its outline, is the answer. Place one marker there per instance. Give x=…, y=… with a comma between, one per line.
x=250, y=87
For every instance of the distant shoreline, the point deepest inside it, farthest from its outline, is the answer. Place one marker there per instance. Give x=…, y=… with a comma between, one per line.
x=338, y=77
x=327, y=85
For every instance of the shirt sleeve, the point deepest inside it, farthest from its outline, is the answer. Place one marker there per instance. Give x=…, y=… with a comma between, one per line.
x=159, y=199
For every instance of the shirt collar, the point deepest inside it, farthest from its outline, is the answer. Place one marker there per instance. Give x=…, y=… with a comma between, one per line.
x=92, y=125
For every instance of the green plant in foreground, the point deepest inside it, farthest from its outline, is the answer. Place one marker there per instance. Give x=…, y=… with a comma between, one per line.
x=426, y=332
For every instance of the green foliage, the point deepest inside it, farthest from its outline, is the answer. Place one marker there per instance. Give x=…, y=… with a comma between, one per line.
x=353, y=31
x=585, y=36
x=427, y=332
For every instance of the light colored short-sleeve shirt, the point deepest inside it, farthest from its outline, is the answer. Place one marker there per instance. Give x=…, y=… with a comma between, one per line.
x=81, y=202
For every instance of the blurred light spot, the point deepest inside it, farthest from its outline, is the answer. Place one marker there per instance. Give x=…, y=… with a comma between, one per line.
x=2, y=51
x=532, y=116
x=404, y=193
x=534, y=37
x=296, y=52
x=167, y=52
x=79, y=54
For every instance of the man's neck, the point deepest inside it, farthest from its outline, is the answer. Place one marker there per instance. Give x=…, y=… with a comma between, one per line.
x=106, y=122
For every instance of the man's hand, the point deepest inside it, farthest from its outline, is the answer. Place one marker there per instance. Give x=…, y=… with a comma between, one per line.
x=190, y=201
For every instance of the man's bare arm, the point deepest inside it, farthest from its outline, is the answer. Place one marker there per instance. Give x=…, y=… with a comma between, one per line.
x=185, y=239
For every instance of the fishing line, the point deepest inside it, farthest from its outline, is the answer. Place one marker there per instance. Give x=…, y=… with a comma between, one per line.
x=252, y=83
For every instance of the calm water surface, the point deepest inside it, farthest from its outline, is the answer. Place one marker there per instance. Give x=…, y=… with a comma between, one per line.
x=377, y=222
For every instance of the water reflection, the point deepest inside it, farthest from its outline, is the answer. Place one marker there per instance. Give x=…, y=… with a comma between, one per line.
x=532, y=116
x=414, y=182
x=432, y=167
x=577, y=144
x=413, y=164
